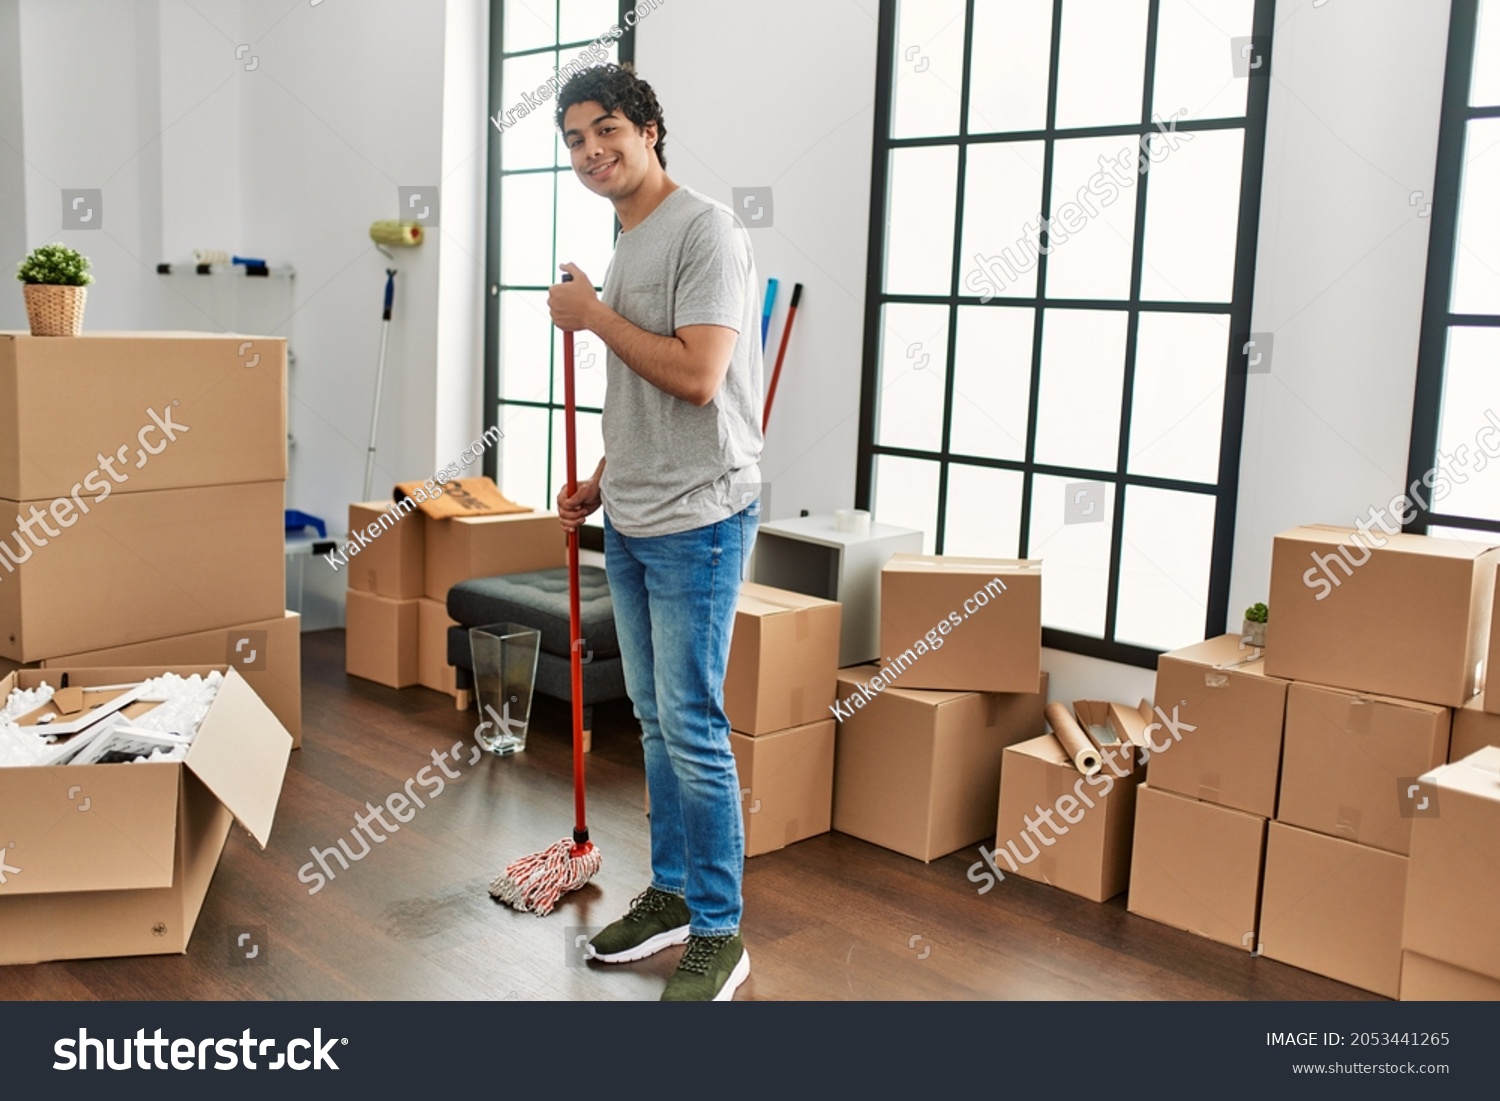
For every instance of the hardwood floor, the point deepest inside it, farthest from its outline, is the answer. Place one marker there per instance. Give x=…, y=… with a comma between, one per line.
x=830, y=918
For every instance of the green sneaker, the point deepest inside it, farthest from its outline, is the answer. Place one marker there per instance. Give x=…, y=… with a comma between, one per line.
x=656, y=920
x=711, y=970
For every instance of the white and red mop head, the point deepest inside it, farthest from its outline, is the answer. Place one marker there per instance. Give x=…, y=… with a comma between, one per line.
x=536, y=882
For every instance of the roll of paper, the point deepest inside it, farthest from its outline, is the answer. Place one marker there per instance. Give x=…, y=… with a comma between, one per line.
x=855, y=520
x=1074, y=741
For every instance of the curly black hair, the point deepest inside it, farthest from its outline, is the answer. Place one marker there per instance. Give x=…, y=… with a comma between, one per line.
x=616, y=88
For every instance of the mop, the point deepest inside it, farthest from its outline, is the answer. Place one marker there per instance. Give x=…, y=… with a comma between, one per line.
x=537, y=881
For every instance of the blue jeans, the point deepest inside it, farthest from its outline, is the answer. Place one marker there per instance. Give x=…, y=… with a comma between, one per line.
x=674, y=600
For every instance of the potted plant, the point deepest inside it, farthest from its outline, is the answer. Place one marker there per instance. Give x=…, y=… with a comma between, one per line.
x=1255, y=624
x=56, y=282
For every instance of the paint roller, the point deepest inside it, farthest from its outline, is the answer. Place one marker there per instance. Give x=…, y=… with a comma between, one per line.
x=1080, y=750
x=396, y=234
x=386, y=235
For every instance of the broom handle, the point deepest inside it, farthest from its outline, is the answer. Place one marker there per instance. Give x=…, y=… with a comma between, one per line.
x=575, y=615
x=786, y=334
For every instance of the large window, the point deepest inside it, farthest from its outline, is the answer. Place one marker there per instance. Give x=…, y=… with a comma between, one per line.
x=1455, y=448
x=539, y=217
x=1062, y=248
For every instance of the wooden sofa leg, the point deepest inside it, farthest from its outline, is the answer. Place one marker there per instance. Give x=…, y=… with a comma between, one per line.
x=461, y=700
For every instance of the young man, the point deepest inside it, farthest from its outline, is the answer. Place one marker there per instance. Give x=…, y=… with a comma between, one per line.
x=679, y=486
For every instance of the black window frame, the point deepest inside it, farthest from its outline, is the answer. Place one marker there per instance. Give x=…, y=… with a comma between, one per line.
x=494, y=403
x=1442, y=250
x=1226, y=489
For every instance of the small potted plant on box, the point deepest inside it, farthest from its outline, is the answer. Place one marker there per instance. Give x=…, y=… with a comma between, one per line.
x=1255, y=624
x=56, y=282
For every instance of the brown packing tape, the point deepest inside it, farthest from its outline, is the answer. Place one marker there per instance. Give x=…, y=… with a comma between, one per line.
x=1212, y=678
x=803, y=627
x=797, y=696
x=793, y=832
x=1209, y=786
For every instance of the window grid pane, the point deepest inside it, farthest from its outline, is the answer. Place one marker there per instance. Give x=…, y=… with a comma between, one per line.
x=1456, y=418
x=1092, y=391
x=545, y=218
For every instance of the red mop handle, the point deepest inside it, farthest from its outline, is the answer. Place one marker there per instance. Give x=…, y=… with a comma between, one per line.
x=786, y=334
x=575, y=615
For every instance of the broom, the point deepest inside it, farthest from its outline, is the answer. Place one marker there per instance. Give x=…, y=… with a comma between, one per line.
x=537, y=881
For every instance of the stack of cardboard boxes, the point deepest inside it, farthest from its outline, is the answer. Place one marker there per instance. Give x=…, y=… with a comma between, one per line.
x=146, y=474
x=921, y=736
x=401, y=565
x=783, y=661
x=1282, y=821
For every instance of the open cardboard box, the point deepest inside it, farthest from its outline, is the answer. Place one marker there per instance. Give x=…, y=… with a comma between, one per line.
x=115, y=860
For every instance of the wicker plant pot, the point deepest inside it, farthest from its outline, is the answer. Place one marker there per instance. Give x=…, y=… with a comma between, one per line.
x=55, y=310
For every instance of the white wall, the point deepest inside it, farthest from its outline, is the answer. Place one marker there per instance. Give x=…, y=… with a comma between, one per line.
x=345, y=107
x=785, y=98
x=288, y=152
x=13, y=244
x=459, y=400
x=1356, y=94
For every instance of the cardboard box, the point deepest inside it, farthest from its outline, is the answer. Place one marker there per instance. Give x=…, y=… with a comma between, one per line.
x=267, y=653
x=1429, y=980
x=965, y=624
x=1348, y=758
x=129, y=878
x=483, y=546
x=145, y=565
x=1334, y=908
x=1409, y=619
x=166, y=410
x=918, y=771
x=1493, y=661
x=1085, y=848
x=433, y=670
x=786, y=785
x=1196, y=866
x=1474, y=727
x=393, y=561
x=1453, y=883
x=1233, y=756
x=381, y=640
x=783, y=660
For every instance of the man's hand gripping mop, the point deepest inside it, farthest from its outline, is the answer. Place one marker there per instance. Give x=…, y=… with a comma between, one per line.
x=537, y=881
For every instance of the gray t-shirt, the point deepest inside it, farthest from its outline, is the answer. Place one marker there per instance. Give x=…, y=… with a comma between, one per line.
x=673, y=466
